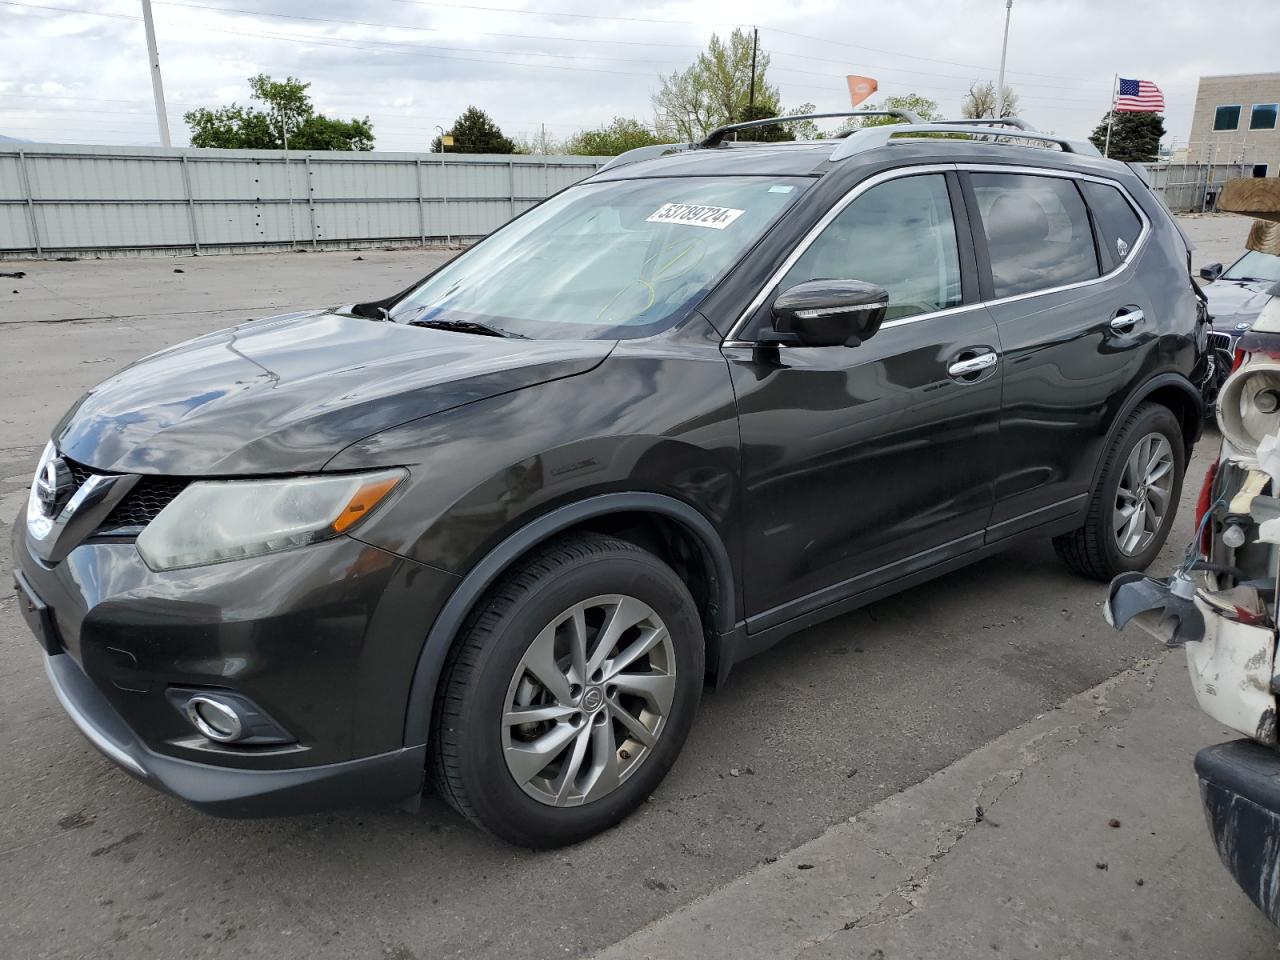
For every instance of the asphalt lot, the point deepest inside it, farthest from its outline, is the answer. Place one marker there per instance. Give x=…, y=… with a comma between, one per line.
x=830, y=724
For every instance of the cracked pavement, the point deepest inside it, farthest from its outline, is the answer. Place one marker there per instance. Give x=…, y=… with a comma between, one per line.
x=842, y=721
x=1091, y=843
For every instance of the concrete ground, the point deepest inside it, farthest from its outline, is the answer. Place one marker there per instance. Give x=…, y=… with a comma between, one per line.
x=825, y=805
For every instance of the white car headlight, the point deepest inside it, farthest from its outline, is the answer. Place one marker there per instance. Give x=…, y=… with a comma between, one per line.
x=214, y=520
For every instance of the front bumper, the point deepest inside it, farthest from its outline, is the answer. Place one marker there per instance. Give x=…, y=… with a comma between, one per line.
x=322, y=639
x=391, y=777
x=1240, y=789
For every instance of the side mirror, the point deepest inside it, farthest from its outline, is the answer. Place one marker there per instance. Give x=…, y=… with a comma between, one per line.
x=1212, y=272
x=830, y=313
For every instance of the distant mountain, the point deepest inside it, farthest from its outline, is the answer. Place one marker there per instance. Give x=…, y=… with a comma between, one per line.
x=4, y=139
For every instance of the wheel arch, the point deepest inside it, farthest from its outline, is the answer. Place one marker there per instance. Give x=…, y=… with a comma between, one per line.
x=673, y=529
x=1170, y=390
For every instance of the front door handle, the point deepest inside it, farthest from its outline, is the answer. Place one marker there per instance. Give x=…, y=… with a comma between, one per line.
x=971, y=365
x=1126, y=319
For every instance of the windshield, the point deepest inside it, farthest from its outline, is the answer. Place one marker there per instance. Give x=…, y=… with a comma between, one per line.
x=1254, y=265
x=615, y=260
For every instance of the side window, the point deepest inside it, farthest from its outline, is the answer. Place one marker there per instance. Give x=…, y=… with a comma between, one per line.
x=899, y=235
x=1226, y=118
x=1263, y=116
x=1117, y=222
x=1037, y=229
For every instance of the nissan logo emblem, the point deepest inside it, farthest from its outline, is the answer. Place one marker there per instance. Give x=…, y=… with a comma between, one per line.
x=53, y=483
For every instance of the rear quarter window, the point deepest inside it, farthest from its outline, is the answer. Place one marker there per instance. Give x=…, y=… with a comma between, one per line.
x=1038, y=232
x=1118, y=224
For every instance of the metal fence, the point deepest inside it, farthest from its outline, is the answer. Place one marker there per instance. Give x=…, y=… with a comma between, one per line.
x=120, y=201
x=1192, y=187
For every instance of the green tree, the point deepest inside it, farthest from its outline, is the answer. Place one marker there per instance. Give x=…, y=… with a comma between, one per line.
x=922, y=107
x=475, y=132
x=618, y=136
x=804, y=129
x=1135, y=137
x=715, y=89
x=980, y=102
x=288, y=116
x=771, y=133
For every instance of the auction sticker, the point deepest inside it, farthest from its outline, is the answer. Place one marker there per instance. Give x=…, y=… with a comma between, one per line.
x=695, y=215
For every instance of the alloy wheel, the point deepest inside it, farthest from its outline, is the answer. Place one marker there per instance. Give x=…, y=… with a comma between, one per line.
x=589, y=700
x=1143, y=497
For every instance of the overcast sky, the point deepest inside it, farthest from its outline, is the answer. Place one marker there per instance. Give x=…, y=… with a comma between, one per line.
x=75, y=71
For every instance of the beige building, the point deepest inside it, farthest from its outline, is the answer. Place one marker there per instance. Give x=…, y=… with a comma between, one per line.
x=1236, y=122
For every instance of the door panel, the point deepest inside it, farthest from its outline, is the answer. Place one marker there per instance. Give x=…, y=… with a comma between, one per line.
x=1064, y=362
x=854, y=458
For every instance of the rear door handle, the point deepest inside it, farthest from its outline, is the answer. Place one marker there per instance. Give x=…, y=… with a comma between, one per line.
x=971, y=365
x=1126, y=319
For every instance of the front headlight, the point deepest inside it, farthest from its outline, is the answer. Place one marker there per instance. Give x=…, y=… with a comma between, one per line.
x=213, y=520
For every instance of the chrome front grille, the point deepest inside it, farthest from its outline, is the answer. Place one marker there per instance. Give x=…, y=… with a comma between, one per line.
x=140, y=506
x=1222, y=341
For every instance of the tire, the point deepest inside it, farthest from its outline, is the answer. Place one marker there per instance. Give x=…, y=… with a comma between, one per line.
x=1099, y=549
x=521, y=634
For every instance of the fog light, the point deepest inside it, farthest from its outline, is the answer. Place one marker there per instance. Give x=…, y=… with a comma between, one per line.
x=215, y=719
x=228, y=717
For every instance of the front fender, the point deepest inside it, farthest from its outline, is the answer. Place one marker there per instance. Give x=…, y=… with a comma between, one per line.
x=486, y=572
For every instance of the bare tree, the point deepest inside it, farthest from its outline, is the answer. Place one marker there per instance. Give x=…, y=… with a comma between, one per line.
x=980, y=102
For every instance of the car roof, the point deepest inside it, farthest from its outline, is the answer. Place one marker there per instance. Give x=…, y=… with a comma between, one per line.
x=801, y=158
x=817, y=157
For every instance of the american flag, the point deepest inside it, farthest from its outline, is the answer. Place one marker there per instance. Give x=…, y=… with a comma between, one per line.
x=1139, y=96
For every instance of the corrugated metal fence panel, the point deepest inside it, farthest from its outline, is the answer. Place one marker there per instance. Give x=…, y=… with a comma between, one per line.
x=1191, y=186
x=141, y=198
x=333, y=180
x=15, y=223
x=11, y=178
x=103, y=178
x=367, y=220
x=88, y=226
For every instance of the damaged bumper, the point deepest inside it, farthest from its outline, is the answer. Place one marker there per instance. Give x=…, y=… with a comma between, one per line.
x=1230, y=645
x=1240, y=788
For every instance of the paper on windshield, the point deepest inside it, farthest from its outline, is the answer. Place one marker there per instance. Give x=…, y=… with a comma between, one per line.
x=695, y=215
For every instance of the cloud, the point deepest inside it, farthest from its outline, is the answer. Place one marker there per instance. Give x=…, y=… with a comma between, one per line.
x=410, y=64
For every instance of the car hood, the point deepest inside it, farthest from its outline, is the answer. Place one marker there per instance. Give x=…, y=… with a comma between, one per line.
x=1235, y=302
x=287, y=393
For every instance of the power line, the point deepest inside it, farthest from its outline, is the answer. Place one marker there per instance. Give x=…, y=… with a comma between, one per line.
x=406, y=26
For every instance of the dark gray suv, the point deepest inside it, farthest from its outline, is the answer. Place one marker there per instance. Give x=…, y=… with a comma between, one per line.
x=497, y=530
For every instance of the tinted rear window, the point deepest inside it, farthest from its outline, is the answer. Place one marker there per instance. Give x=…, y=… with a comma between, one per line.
x=1117, y=222
x=1038, y=232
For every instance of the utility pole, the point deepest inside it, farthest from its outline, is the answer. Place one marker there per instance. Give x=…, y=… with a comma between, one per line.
x=157, y=85
x=1004, y=52
x=755, y=42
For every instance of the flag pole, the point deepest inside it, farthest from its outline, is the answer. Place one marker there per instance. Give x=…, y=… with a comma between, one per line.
x=1111, y=114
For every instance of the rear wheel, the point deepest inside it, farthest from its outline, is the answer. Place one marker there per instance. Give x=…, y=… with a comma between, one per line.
x=1133, y=506
x=569, y=692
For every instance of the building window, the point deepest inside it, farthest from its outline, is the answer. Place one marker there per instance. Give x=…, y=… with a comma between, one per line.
x=1259, y=169
x=1226, y=118
x=1263, y=117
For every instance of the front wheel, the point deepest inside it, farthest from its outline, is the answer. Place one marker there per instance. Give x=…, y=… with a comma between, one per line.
x=569, y=692
x=1132, y=508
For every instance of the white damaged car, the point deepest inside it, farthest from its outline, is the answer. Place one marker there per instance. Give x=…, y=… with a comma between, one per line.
x=1221, y=603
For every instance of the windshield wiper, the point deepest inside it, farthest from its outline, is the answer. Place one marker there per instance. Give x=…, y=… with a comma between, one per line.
x=465, y=326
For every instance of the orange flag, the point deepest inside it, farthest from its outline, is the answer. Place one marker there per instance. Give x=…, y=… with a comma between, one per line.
x=860, y=88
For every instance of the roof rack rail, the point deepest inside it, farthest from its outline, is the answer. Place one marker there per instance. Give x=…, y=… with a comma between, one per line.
x=869, y=138
x=716, y=136
x=994, y=121
x=645, y=153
